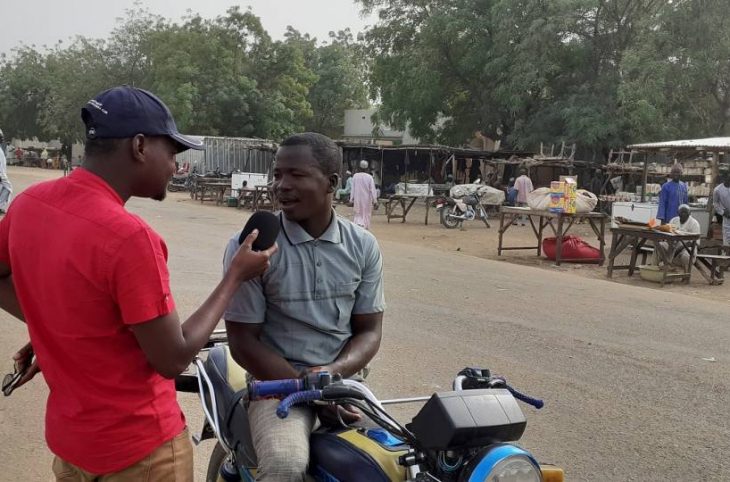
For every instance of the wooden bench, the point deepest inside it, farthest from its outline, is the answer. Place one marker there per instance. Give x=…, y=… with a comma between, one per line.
x=645, y=251
x=712, y=267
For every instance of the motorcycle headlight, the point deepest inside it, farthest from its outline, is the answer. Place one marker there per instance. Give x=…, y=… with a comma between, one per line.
x=506, y=463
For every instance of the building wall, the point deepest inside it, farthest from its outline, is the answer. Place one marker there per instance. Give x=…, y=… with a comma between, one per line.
x=360, y=128
x=230, y=154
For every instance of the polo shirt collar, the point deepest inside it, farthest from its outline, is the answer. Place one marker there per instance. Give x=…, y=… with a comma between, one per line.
x=297, y=235
x=88, y=178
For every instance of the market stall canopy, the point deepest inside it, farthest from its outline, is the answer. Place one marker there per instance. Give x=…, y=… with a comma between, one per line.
x=709, y=144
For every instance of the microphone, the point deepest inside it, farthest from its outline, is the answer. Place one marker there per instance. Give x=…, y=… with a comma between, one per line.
x=268, y=226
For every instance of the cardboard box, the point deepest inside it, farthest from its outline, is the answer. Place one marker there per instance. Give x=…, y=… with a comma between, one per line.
x=570, y=194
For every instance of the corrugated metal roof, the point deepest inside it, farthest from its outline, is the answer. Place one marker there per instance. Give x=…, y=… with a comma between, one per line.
x=709, y=143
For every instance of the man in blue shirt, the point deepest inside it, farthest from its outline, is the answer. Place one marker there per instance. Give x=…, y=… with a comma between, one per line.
x=511, y=193
x=673, y=194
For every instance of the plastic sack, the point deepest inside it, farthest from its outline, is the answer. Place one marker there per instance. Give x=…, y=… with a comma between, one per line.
x=574, y=249
x=488, y=194
x=539, y=199
x=585, y=201
x=413, y=189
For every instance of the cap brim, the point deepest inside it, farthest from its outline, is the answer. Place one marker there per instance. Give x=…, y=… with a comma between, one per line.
x=187, y=142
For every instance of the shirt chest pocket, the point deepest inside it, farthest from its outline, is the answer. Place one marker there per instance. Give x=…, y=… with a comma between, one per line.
x=295, y=282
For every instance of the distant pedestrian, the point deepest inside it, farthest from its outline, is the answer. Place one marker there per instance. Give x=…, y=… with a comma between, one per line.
x=45, y=160
x=6, y=189
x=673, y=194
x=523, y=185
x=363, y=196
x=721, y=204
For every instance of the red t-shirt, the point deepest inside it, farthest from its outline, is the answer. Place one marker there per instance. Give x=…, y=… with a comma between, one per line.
x=84, y=269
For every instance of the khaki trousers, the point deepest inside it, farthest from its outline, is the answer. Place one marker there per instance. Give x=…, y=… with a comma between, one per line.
x=171, y=462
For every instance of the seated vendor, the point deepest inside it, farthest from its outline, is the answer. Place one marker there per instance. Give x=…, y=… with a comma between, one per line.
x=682, y=224
x=344, y=194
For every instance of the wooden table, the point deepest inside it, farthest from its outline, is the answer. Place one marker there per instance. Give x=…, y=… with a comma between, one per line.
x=215, y=190
x=246, y=196
x=623, y=237
x=559, y=223
x=261, y=195
x=197, y=181
x=405, y=202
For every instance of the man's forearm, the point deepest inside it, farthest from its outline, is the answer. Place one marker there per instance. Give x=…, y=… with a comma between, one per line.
x=8, y=298
x=262, y=362
x=197, y=328
x=356, y=354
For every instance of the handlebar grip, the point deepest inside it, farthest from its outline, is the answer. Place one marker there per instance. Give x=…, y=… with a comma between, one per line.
x=282, y=411
x=535, y=402
x=274, y=388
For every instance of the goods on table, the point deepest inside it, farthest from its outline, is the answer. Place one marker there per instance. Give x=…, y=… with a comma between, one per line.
x=488, y=194
x=539, y=199
x=563, y=196
x=413, y=189
x=585, y=201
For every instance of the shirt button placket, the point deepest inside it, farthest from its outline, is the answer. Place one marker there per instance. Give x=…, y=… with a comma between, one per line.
x=317, y=276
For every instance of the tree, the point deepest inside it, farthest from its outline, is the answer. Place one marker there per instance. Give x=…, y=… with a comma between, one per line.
x=677, y=78
x=23, y=93
x=341, y=68
x=525, y=70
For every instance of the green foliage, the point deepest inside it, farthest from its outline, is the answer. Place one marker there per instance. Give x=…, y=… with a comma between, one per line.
x=601, y=73
x=222, y=76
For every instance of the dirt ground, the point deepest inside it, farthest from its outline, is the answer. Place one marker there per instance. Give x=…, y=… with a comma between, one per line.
x=475, y=239
x=635, y=378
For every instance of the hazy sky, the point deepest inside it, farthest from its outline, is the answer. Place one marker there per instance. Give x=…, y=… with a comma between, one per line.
x=44, y=22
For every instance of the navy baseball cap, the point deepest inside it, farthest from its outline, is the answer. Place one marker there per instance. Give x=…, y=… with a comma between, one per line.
x=125, y=111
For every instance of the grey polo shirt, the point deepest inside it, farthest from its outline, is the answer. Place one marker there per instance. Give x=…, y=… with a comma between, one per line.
x=306, y=298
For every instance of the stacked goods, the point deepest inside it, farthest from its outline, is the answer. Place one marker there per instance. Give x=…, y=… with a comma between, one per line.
x=557, y=196
x=570, y=196
x=563, y=196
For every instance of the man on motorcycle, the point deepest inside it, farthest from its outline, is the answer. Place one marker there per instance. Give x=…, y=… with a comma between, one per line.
x=319, y=307
x=97, y=300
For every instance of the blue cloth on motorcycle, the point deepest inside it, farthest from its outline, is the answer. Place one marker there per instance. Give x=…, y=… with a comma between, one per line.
x=306, y=298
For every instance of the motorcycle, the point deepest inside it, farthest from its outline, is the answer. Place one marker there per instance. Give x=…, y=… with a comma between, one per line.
x=465, y=435
x=455, y=211
x=179, y=183
x=183, y=181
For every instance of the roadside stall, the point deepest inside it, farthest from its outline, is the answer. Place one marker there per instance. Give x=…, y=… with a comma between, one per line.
x=407, y=175
x=635, y=205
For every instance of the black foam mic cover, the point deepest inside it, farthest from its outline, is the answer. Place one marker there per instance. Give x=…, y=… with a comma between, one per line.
x=268, y=226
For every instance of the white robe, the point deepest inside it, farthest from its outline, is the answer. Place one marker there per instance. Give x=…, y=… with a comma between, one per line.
x=363, y=197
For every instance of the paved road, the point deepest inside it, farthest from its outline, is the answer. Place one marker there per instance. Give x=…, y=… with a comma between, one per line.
x=628, y=393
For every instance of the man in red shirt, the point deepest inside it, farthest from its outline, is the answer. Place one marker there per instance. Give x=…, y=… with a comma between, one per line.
x=97, y=300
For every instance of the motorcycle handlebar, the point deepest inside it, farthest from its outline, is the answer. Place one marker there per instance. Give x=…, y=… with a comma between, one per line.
x=535, y=402
x=282, y=388
x=274, y=388
x=282, y=411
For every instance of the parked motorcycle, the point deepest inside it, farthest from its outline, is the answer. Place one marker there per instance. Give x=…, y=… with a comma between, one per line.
x=465, y=435
x=455, y=211
x=179, y=183
x=183, y=182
